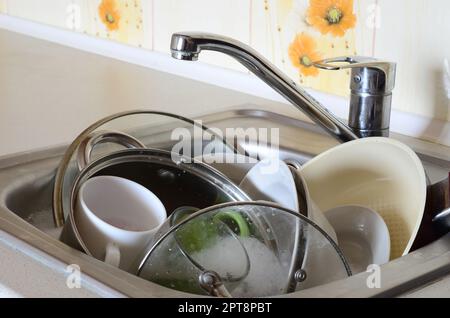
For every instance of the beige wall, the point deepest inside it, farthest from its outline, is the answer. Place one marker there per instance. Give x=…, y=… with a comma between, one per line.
x=51, y=102
x=413, y=33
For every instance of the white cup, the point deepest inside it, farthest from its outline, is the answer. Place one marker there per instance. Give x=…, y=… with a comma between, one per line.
x=117, y=218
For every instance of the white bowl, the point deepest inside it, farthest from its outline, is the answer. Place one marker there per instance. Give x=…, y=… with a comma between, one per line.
x=379, y=173
x=362, y=234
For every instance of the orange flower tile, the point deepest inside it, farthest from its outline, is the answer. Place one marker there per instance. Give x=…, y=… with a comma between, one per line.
x=303, y=53
x=331, y=16
x=109, y=14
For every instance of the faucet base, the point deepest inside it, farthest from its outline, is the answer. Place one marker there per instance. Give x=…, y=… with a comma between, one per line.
x=371, y=133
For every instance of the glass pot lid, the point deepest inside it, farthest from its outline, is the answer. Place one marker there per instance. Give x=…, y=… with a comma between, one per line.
x=152, y=129
x=221, y=251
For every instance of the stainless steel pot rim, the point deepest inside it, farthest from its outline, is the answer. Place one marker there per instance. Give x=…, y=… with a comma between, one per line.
x=149, y=155
x=58, y=208
x=247, y=203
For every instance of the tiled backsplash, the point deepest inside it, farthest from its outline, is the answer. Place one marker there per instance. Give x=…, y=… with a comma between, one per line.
x=290, y=33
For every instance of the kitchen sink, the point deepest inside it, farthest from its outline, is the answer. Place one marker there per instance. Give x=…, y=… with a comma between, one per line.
x=26, y=185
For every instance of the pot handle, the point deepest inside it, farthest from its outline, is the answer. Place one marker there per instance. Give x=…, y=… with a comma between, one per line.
x=87, y=145
x=442, y=220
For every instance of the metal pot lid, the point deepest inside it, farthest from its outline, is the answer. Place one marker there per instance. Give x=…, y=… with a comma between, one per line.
x=167, y=175
x=152, y=129
x=219, y=251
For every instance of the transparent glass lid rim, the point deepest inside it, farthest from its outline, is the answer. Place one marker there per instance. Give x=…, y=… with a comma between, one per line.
x=243, y=204
x=58, y=191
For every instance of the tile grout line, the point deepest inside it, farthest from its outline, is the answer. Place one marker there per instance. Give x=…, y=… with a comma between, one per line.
x=375, y=21
x=250, y=23
x=153, y=24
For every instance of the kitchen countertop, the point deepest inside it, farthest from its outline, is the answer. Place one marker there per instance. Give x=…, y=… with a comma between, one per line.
x=28, y=272
x=49, y=93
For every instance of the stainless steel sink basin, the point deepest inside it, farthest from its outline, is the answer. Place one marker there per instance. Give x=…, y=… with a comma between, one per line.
x=26, y=185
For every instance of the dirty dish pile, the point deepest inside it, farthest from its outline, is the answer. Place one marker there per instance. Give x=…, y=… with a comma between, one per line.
x=185, y=224
x=244, y=234
x=121, y=200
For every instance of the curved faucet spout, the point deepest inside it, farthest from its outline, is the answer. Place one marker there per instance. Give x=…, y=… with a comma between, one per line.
x=188, y=45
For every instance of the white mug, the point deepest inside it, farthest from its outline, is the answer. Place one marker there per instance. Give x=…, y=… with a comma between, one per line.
x=117, y=218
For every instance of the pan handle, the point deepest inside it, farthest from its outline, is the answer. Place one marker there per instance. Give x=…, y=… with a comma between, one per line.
x=436, y=217
x=442, y=220
x=91, y=141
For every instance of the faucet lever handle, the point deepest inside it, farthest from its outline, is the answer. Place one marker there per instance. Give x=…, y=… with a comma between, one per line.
x=359, y=66
x=351, y=62
x=372, y=82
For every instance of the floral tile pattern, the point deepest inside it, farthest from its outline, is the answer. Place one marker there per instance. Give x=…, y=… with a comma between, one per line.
x=109, y=14
x=290, y=33
x=333, y=17
x=118, y=20
x=296, y=38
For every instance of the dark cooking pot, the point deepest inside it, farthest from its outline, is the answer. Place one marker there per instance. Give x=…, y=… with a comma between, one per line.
x=176, y=180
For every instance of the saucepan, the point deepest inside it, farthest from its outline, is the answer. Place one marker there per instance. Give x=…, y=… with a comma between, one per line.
x=152, y=129
x=176, y=180
x=436, y=219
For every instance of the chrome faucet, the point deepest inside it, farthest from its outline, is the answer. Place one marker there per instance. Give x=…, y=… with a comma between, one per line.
x=372, y=84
